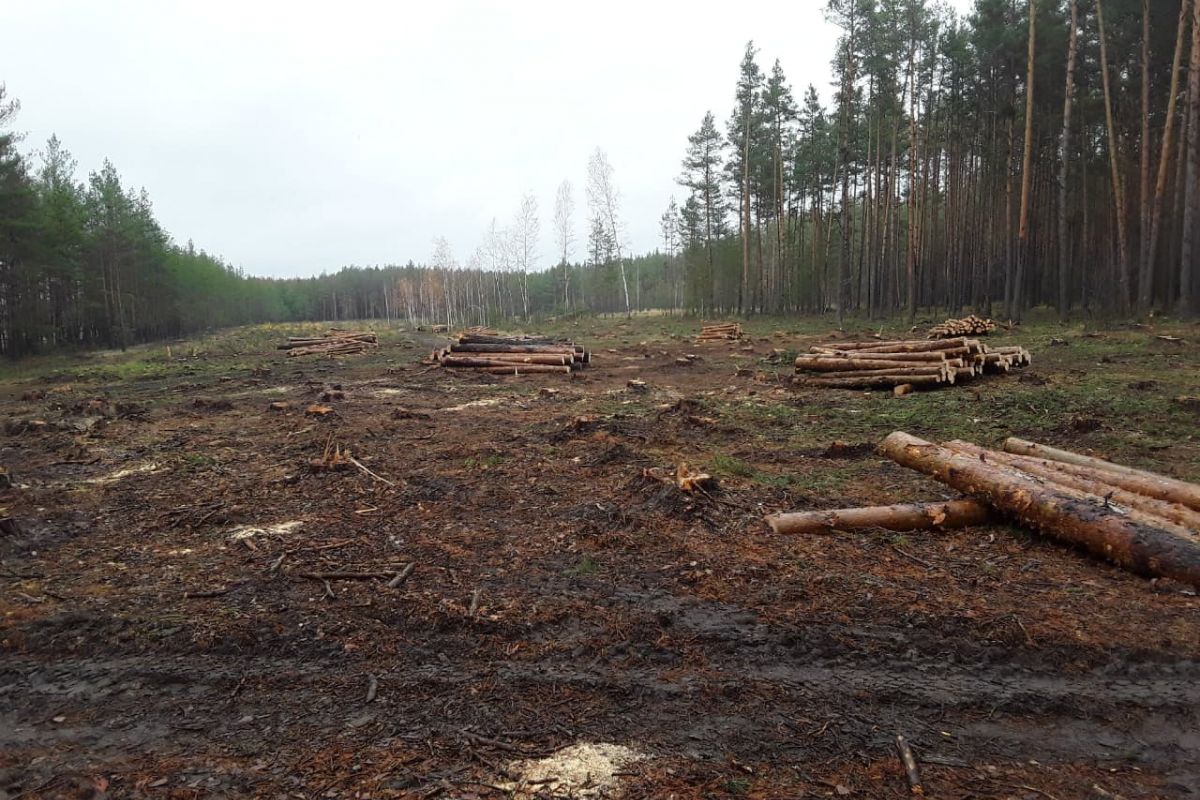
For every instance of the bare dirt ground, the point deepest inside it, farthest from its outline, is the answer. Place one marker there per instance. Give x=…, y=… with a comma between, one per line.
x=166, y=633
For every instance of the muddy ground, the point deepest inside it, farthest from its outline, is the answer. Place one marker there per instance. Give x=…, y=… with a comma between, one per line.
x=189, y=610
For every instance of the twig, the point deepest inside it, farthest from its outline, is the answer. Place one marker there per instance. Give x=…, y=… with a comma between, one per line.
x=910, y=765
x=277, y=562
x=203, y=593
x=359, y=464
x=911, y=557
x=372, y=688
x=343, y=576
x=474, y=608
x=402, y=575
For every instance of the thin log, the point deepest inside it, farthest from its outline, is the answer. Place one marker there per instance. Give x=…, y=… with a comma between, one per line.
x=460, y=347
x=1056, y=511
x=522, y=369
x=1135, y=480
x=901, y=517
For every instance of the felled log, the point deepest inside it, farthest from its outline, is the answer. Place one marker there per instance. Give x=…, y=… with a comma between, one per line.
x=930, y=369
x=1134, y=480
x=887, y=379
x=1063, y=514
x=503, y=359
x=826, y=352
x=1095, y=484
x=829, y=364
x=523, y=369
x=902, y=517
x=458, y=347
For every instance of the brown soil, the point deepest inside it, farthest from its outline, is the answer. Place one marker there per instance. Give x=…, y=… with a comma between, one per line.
x=153, y=646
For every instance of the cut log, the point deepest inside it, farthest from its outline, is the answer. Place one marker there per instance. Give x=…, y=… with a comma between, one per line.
x=854, y=356
x=932, y=369
x=902, y=517
x=834, y=364
x=515, y=348
x=1022, y=447
x=889, y=379
x=1174, y=513
x=1056, y=511
x=522, y=369
x=1133, y=480
x=500, y=359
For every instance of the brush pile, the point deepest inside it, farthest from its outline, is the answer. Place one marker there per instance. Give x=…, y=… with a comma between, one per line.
x=967, y=326
x=336, y=342
x=511, y=355
x=720, y=331
x=855, y=365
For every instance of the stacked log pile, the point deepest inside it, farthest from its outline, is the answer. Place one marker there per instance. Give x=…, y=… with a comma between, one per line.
x=335, y=342
x=720, y=331
x=1143, y=522
x=511, y=355
x=852, y=365
x=967, y=326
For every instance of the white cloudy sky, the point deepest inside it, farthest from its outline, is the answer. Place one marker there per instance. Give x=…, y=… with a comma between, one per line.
x=297, y=137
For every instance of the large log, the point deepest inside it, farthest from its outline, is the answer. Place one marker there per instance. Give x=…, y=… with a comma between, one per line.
x=1022, y=447
x=902, y=517
x=932, y=369
x=521, y=369
x=1133, y=480
x=889, y=379
x=1056, y=511
x=1096, y=484
x=834, y=364
x=499, y=359
x=458, y=347
x=825, y=352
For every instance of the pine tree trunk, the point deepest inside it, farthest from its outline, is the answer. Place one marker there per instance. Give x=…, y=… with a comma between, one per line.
x=1191, y=214
x=1064, y=300
x=1145, y=269
x=1118, y=186
x=1023, y=251
x=1164, y=160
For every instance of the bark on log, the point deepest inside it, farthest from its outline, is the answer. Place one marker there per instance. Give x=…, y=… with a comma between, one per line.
x=834, y=364
x=824, y=352
x=901, y=517
x=932, y=369
x=522, y=369
x=500, y=359
x=459, y=347
x=1024, y=447
x=1056, y=511
x=1174, y=513
x=889, y=379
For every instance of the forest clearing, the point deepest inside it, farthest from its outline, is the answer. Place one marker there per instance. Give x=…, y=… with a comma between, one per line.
x=491, y=597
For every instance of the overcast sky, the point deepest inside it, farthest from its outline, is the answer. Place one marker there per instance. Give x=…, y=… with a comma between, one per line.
x=295, y=138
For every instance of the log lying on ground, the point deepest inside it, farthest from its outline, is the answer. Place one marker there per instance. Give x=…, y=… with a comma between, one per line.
x=720, y=331
x=1150, y=484
x=902, y=517
x=511, y=355
x=960, y=358
x=1057, y=511
x=1093, y=483
x=335, y=342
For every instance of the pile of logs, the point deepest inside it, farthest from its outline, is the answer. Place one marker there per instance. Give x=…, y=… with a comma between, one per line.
x=721, y=331
x=967, y=326
x=853, y=365
x=336, y=342
x=511, y=355
x=1141, y=521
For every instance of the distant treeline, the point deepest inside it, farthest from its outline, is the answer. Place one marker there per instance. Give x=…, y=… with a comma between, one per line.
x=1036, y=152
